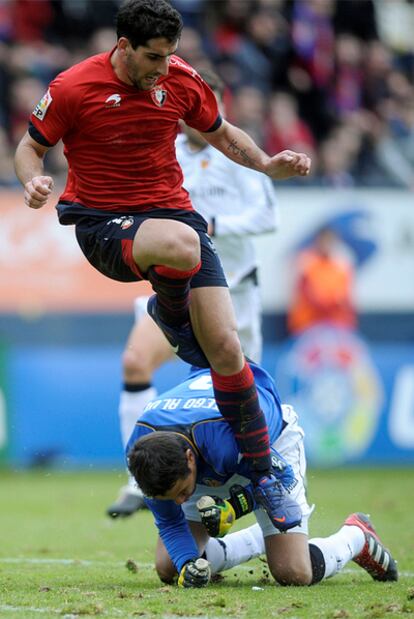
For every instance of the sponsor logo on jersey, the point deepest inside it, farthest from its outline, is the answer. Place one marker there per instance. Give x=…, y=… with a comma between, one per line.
x=43, y=105
x=113, y=101
x=159, y=96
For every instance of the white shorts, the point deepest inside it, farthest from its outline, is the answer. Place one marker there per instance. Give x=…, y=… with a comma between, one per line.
x=247, y=307
x=290, y=446
x=140, y=307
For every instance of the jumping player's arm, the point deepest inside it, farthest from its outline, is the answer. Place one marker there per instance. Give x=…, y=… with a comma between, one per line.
x=49, y=121
x=29, y=170
x=239, y=147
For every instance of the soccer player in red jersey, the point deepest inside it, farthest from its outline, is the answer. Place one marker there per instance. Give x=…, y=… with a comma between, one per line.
x=117, y=114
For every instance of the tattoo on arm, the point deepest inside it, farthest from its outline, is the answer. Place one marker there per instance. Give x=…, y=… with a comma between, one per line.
x=236, y=150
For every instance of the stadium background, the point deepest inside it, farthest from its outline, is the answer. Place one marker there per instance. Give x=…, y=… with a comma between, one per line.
x=334, y=79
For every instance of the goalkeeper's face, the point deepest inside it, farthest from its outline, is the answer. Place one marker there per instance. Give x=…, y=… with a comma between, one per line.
x=184, y=487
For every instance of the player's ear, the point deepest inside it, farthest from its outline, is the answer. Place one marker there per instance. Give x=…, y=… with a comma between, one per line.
x=190, y=456
x=123, y=44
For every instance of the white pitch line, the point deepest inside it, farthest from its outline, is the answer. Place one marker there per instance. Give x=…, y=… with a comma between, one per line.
x=58, y=611
x=19, y=609
x=82, y=562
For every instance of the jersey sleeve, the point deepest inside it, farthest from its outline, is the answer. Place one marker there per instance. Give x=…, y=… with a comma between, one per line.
x=203, y=113
x=260, y=211
x=53, y=116
x=174, y=532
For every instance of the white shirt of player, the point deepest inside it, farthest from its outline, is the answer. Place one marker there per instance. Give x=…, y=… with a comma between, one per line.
x=242, y=202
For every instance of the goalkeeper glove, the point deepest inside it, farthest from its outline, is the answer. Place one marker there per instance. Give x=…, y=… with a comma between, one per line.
x=195, y=574
x=218, y=515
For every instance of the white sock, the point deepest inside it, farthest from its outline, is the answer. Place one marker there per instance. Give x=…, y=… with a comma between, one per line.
x=131, y=407
x=235, y=548
x=339, y=548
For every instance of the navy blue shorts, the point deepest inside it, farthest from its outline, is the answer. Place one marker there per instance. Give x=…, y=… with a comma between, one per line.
x=106, y=240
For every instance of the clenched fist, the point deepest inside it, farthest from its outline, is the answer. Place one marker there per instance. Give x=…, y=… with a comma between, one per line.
x=195, y=574
x=37, y=191
x=287, y=164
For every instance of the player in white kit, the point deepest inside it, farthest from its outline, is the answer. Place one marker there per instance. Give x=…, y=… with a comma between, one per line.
x=237, y=203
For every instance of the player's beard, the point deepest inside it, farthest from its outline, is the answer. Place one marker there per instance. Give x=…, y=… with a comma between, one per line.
x=139, y=81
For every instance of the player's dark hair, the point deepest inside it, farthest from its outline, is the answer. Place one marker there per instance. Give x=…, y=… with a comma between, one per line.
x=141, y=20
x=157, y=461
x=213, y=80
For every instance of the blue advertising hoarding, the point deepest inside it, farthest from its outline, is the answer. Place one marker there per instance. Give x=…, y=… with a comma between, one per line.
x=356, y=404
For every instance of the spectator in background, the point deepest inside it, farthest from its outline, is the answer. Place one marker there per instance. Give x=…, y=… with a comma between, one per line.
x=7, y=177
x=347, y=89
x=191, y=48
x=377, y=67
x=31, y=18
x=338, y=156
x=357, y=17
x=284, y=126
x=268, y=36
x=333, y=165
x=337, y=58
x=248, y=109
x=5, y=79
x=101, y=40
x=312, y=68
x=323, y=286
x=396, y=26
x=394, y=137
x=25, y=93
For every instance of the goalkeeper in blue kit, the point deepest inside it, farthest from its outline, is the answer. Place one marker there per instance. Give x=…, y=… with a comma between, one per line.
x=186, y=460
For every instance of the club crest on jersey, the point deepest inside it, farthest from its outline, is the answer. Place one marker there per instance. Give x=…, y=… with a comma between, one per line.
x=43, y=105
x=159, y=96
x=124, y=221
x=113, y=101
x=127, y=223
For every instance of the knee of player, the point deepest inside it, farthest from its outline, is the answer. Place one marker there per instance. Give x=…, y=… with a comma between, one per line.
x=225, y=350
x=185, y=246
x=296, y=574
x=135, y=366
x=165, y=572
x=191, y=251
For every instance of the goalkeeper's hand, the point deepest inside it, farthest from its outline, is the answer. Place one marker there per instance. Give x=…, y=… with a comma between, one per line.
x=217, y=515
x=195, y=574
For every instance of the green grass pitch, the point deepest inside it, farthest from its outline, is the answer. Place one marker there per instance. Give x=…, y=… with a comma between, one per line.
x=60, y=556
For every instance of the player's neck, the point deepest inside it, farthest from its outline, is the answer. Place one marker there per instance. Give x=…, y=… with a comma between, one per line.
x=119, y=68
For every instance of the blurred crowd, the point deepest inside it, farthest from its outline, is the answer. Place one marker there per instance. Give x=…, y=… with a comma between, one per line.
x=332, y=78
